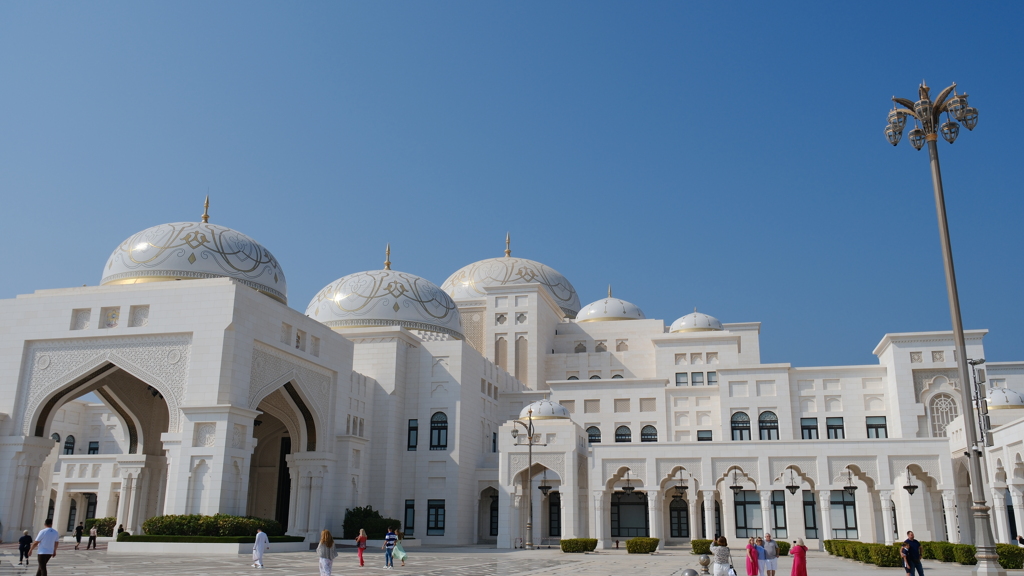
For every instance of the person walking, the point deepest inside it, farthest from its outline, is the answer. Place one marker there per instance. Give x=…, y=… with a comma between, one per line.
x=799, y=553
x=93, y=533
x=261, y=545
x=24, y=545
x=326, y=552
x=762, y=559
x=752, y=557
x=771, y=555
x=904, y=548
x=913, y=554
x=361, y=544
x=399, y=549
x=721, y=556
x=78, y=535
x=390, y=540
x=47, y=541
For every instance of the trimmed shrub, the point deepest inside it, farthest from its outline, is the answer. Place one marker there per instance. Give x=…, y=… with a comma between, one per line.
x=927, y=552
x=701, y=546
x=579, y=545
x=943, y=551
x=783, y=547
x=1011, y=556
x=885, y=556
x=641, y=545
x=368, y=519
x=863, y=553
x=216, y=525
x=964, y=554
x=828, y=546
x=104, y=526
x=204, y=539
x=123, y=536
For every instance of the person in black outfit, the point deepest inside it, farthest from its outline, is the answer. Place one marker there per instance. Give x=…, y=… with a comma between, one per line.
x=24, y=544
x=78, y=535
x=913, y=555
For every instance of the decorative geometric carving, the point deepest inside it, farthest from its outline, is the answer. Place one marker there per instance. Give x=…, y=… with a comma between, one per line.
x=929, y=464
x=272, y=368
x=553, y=462
x=691, y=465
x=807, y=466
x=868, y=465
x=238, y=436
x=637, y=469
x=145, y=357
x=205, y=435
x=720, y=466
x=276, y=405
x=925, y=379
x=916, y=358
x=138, y=316
x=938, y=356
x=80, y=318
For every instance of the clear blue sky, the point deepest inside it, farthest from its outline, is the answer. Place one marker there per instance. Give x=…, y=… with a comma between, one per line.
x=728, y=156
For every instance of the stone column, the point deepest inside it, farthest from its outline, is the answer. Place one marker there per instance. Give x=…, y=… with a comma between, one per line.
x=302, y=510
x=599, y=519
x=316, y=488
x=709, y=513
x=694, y=508
x=1017, y=499
x=537, y=503
x=825, y=501
x=1001, y=518
x=766, y=511
x=949, y=510
x=885, y=501
x=655, y=515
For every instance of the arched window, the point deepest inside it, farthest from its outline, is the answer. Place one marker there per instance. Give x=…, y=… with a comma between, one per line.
x=595, y=377
x=768, y=425
x=439, y=431
x=740, y=426
x=594, y=435
x=573, y=378
x=55, y=437
x=623, y=434
x=616, y=376
x=69, y=445
x=943, y=411
x=648, y=434
x=580, y=348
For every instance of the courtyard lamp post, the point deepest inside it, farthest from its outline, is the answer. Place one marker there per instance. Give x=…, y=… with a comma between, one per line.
x=926, y=115
x=529, y=473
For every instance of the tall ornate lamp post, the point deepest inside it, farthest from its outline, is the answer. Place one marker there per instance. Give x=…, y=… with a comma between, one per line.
x=926, y=115
x=528, y=427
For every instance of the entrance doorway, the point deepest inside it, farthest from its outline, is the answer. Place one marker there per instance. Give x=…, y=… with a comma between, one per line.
x=629, y=515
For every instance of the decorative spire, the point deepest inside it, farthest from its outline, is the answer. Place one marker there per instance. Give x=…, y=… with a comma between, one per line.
x=387, y=257
x=694, y=309
x=206, y=210
x=609, y=290
x=508, y=244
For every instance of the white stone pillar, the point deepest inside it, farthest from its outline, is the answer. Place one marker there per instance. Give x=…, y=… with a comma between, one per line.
x=126, y=498
x=655, y=515
x=949, y=510
x=709, y=513
x=599, y=519
x=537, y=505
x=1002, y=520
x=693, y=510
x=766, y=511
x=1017, y=501
x=568, y=513
x=885, y=501
x=825, y=505
x=316, y=488
x=302, y=511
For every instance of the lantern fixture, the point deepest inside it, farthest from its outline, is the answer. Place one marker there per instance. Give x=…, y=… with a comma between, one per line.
x=792, y=486
x=910, y=487
x=950, y=130
x=735, y=486
x=680, y=488
x=957, y=105
x=893, y=135
x=916, y=138
x=544, y=487
x=850, y=487
x=897, y=119
x=515, y=433
x=970, y=118
x=628, y=488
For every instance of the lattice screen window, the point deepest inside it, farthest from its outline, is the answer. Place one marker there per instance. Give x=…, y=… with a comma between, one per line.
x=622, y=404
x=648, y=405
x=570, y=405
x=591, y=406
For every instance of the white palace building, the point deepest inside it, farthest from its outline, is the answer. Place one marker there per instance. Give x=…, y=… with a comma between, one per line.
x=389, y=391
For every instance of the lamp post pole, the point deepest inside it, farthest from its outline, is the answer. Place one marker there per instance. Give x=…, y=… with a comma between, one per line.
x=926, y=115
x=528, y=544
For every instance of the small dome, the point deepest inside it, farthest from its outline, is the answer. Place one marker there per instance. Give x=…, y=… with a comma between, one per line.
x=544, y=410
x=609, y=309
x=696, y=322
x=386, y=298
x=191, y=250
x=1004, y=399
x=468, y=282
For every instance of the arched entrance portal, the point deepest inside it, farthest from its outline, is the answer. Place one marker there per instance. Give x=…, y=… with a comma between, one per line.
x=269, y=480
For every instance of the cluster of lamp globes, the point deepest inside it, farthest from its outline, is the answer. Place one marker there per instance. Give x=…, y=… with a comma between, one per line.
x=926, y=115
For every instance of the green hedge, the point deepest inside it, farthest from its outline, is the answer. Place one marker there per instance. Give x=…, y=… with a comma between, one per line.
x=885, y=556
x=1011, y=556
x=943, y=551
x=783, y=547
x=216, y=525
x=927, y=552
x=701, y=546
x=964, y=554
x=104, y=526
x=579, y=545
x=641, y=545
x=368, y=519
x=205, y=539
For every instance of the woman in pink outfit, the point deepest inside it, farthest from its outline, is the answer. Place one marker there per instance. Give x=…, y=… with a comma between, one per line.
x=799, y=554
x=752, y=557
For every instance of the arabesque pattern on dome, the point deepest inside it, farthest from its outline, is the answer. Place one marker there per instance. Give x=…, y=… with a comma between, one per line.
x=386, y=298
x=1004, y=399
x=192, y=250
x=469, y=282
x=544, y=410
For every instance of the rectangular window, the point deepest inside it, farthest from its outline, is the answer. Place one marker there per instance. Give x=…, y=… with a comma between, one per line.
x=435, y=517
x=414, y=434
x=809, y=428
x=591, y=406
x=494, y=442
x=703, y=435
x=94, y=447
x=779, y=514
x=697, y=378
x=810, y=515
x=748, y=514
x=410, y=517
x=835, y=428
x=681, y=379
x=622, y=404
x=843, y=515
x=712, y=378
x=876, y=427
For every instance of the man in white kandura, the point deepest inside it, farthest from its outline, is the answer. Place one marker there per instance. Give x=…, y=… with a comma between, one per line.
x=261, y=545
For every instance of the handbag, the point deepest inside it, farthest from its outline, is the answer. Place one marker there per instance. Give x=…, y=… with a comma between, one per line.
x=732, y=571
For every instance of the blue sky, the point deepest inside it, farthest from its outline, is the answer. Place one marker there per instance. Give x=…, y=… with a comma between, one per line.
x=728, y=156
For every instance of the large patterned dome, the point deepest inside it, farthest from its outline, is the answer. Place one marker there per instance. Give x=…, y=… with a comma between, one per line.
x=191, y=250
x=469, y=282
x=386, y=298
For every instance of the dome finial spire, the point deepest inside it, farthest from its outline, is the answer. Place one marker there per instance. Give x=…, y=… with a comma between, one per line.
x=609, y=290
x=508, y=245
x=206, y=210
x=387, y=257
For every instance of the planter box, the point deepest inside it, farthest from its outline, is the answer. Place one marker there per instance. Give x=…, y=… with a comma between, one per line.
x=200, y=549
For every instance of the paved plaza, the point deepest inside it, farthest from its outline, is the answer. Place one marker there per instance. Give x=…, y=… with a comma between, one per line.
x=472, y=561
